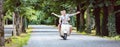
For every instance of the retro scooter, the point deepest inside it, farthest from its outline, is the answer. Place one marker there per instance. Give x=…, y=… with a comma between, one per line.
x=65, y=28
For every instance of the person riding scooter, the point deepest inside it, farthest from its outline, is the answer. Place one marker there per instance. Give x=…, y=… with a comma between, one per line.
x=64, y=18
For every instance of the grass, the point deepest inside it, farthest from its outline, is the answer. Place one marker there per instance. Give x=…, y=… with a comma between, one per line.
x=93, y=33
x=84, y=33
x=113, y=38
x=19, y=41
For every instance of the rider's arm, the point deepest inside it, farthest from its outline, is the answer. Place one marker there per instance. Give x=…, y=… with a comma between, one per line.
x=56, y=15
x=74, y=13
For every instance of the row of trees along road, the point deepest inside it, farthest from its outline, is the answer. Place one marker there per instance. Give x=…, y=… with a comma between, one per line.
x=100, y=15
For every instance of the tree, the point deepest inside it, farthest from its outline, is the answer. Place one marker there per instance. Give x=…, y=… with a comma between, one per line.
x=111, y=19
x=2, y=42
x=12, y=5
x=104, y=30
x=117, y=16
x=88, y=20
x=78, y=18
x=81, y=6
x=96, y=13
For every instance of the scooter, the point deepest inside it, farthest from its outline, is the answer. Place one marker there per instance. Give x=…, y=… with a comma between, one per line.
x=65, y=28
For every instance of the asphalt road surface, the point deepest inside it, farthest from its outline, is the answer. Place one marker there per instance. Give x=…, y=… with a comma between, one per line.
x=47, y=36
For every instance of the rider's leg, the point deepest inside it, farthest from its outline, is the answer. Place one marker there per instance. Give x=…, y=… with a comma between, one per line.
x=59, y=28
x=70, y=29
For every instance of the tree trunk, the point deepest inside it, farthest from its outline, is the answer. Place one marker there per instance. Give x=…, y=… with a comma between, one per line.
x=78, y=18
x=56, y=21
x=117, y=17
x=118, y=23
x=14, y=24
x=23, y=24
x=20, y=25
x=26, y=23
x=82, y=20
x=88, y=21
x=17, y=23
x=16, y=17
x=6, y=21
x=105, y=21
x=2, y=39
x=96, y=13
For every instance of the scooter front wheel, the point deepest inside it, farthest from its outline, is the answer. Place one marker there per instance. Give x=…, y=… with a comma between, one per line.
x=65, y=36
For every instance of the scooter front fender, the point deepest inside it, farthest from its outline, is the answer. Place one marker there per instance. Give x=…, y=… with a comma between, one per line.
x=65, y=28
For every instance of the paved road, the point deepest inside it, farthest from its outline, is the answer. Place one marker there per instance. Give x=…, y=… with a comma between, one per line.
x=8, y=30
x=48, y=38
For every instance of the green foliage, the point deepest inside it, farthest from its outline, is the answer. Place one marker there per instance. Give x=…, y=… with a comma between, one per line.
x=40, y=17
x=117, y=2
x=73, y=21
x=49, y=20
x=69, y=6
x=38, y=8
x=113, y=38
x=111, y=25
x=8, y=15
